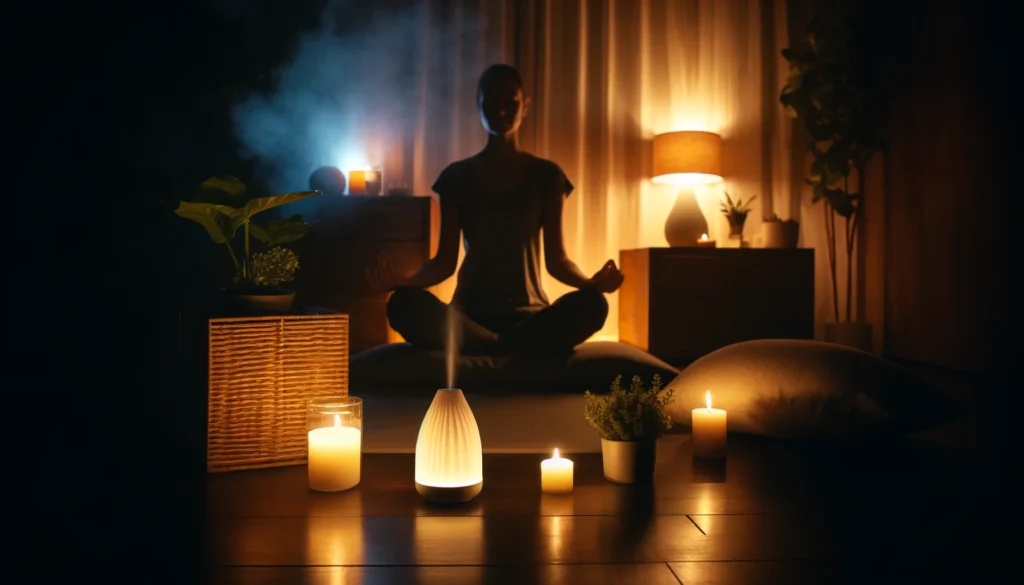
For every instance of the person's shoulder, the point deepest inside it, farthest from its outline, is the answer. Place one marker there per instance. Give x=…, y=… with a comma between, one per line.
x=546, y=166
x=451, y=177
x=551, y=176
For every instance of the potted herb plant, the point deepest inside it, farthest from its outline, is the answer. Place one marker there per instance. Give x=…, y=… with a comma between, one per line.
x=843, y=113
x=629, y=421
x=736, y=212
x=223, y=207
x=779, y=233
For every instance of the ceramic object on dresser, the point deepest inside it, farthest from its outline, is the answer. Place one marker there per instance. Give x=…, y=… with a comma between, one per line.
x=780, y=234
x=685, y=224
x=855, y=334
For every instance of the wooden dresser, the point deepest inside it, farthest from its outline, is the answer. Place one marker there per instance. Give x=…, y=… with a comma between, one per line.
x=683, y=303
x=346, y=236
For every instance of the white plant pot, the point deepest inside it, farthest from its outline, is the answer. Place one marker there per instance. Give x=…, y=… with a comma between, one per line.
x=853, y=334
x=629, y=461
x=780, y=234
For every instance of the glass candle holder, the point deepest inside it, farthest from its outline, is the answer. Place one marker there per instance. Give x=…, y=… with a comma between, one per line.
x=335, y=426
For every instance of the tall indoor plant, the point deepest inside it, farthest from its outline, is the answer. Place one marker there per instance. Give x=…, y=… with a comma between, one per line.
x=629, y=421
x=222, y=205
x=843, y=114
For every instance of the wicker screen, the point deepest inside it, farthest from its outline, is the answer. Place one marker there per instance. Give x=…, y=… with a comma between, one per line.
x=263, y=371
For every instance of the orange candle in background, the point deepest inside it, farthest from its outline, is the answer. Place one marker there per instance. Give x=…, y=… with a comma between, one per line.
x=357, y=182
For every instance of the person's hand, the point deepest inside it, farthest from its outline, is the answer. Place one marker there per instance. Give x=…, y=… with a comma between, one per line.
x=381, y=277
x=608, y=279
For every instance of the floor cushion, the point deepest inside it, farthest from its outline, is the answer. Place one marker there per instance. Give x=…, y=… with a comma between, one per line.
x=809, y=389
x=400, y=367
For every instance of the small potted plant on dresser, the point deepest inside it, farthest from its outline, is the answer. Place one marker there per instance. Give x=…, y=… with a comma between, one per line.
x=629, y=422
x=736, y=212
x=224, y=209
x=779, y=233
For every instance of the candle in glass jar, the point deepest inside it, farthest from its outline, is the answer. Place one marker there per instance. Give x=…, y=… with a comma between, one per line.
x=357, y=183
x=334, y=457
x=556, y=475
x=709, y=426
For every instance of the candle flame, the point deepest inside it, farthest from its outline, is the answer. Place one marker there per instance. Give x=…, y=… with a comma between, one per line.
x=556, y=453
x=703, y=237
x=707, y=398
x=337, y=420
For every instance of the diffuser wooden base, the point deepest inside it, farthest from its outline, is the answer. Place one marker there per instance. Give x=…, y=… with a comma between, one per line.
x=449, y=495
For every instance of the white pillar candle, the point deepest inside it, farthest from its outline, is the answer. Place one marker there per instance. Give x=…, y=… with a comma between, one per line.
x=709, y=430
x=334, y=457
x=556, y=475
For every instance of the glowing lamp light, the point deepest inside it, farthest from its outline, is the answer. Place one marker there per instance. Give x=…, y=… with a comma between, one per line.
x=687, y=158
x=449, y=454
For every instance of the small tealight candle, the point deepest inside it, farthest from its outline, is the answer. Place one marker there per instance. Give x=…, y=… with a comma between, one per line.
x=704, y=242
x=556, y=475
x=709, y=426
x=334, y=457
x=357, y=182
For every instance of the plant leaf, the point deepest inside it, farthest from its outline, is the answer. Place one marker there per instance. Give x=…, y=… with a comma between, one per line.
x=279, y=231
x=223, y=190
x=260, y=204
x=220, y=221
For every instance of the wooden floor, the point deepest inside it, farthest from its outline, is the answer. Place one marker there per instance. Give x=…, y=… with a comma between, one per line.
x=904, y=512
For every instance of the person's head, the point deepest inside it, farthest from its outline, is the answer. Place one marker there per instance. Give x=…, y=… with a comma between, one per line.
x=500, y=100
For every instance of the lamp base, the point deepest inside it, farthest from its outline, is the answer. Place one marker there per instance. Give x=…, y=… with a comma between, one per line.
x=449, y=495
x=685, y=224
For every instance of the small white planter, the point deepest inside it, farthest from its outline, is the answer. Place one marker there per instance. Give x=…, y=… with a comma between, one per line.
x=629, y=461
x=780, y=234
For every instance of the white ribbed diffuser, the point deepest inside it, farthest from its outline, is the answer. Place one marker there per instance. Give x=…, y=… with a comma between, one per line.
x=449, y=455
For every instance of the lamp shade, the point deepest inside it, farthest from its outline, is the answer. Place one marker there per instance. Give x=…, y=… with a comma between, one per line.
x=687, y=158
x=449, y=454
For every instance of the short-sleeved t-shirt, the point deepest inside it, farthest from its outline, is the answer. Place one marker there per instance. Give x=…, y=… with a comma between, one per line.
x=501, y=228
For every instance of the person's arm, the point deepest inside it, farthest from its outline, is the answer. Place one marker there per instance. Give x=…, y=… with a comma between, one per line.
x=556, y=260
x=442, y=265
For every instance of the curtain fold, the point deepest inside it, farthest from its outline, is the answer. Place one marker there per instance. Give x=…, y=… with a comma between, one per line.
x=605, y=77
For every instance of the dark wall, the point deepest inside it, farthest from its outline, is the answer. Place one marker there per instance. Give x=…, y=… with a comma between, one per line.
x=947, y=221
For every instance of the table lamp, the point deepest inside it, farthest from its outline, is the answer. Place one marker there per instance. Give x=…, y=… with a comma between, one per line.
x=449, y=454
x=687, y=158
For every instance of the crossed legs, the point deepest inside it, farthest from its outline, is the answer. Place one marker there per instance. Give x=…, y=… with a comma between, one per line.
x=423, y=320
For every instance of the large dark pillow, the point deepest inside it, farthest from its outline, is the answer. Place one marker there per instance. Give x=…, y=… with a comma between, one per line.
x=809, y=389
x=592, y=366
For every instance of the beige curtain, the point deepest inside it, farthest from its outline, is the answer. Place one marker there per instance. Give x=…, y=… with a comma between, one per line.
x=606, y=76
x=461, y=38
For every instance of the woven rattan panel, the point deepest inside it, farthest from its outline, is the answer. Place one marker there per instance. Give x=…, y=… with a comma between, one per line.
x=263, y=371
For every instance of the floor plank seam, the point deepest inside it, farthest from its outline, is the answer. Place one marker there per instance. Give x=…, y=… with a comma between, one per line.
x=671, y=570
x=694, y=522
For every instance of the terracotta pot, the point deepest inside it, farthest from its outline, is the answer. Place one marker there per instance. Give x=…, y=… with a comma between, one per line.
x=736, y=229
x=260, y=302
x=629, y=461
x=851, y=334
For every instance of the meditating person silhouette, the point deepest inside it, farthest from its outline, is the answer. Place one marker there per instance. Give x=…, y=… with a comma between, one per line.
x=500, y=200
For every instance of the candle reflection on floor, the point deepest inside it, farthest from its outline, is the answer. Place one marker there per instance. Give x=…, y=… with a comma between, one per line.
x=449, y=540
x=559, y=538
x=334, y=530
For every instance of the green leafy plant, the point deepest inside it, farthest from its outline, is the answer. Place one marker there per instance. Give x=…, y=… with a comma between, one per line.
x=736, y=212
x=843, y=115
x=222, y=206
x=629, y=414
